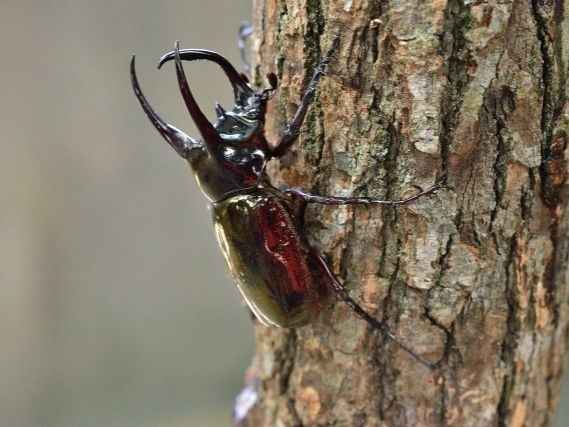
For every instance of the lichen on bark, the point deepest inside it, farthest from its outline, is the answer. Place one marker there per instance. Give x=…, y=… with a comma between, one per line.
x=476, y=276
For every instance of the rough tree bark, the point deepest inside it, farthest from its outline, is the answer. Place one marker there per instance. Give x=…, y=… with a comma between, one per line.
x=477, y=275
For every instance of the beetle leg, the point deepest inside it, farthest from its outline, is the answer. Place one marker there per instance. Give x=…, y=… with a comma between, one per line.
x=292, y=129
x=342, y=294
x=178, y=140
x=245, y=31
x=336, y=200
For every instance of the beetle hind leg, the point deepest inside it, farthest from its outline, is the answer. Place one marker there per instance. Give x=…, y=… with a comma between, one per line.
x=342, y=294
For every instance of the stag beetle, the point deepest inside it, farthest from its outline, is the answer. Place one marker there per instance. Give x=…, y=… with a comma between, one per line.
x=284, y=280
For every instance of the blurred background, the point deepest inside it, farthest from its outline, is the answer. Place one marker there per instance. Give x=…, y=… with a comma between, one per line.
x=115, y=305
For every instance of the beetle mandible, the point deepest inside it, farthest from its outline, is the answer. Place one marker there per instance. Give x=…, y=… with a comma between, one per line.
x=284, y=280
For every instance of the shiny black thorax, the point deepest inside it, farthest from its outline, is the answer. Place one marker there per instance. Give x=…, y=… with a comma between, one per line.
x=238, y=162
x=233, y=151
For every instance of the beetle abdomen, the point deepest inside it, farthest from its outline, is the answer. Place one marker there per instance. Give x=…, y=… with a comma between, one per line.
x=273, y=267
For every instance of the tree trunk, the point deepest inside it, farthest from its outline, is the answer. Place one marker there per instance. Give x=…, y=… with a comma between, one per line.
x=476, y=275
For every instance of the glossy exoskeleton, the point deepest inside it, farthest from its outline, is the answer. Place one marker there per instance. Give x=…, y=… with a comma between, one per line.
x=284, y=280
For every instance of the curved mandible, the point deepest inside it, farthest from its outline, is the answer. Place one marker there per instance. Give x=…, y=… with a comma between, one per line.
x=241, y=88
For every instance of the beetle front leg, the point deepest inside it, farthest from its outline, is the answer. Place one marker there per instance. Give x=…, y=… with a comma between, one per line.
x=292, y=129
x=336, y=200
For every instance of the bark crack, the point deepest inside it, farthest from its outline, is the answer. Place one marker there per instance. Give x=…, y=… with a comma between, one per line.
x=455, y=47
x=510, y=339
x=550, y=114
x=499, y=106
x=547, y=75
x=553, y=100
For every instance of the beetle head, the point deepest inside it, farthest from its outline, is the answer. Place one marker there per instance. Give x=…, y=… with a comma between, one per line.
x=233, y=152
x=244, y=122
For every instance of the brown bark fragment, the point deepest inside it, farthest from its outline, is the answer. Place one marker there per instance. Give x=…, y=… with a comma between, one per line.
x=476, y=276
